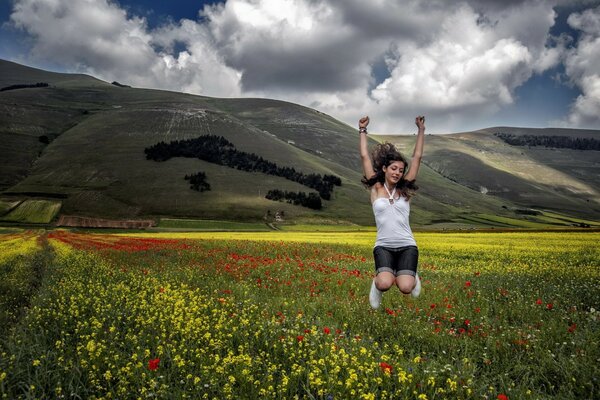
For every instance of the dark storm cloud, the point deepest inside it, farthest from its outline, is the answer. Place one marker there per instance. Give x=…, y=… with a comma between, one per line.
x=387, y=58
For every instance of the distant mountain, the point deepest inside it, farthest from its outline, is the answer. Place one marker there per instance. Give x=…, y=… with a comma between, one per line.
x=81, y=141
x=562, y=180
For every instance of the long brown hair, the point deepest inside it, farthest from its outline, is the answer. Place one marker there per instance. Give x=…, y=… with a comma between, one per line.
x=383, y=155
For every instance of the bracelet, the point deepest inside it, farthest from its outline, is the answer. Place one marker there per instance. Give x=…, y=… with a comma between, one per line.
x=361, y=130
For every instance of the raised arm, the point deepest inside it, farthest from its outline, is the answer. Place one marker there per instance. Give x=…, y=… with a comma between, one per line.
x=415, y=162
x=364, y=150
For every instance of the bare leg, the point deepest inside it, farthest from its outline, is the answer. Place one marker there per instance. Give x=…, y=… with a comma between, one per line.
x=406, y=283
x=384, y=281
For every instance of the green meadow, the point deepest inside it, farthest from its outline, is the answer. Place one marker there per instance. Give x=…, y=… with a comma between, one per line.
x=33, y=211
x=285, y=315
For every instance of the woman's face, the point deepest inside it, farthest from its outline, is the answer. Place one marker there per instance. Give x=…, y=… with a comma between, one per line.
x=394, y=171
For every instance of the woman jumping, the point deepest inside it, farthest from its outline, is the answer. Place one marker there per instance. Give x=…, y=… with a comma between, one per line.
x=392, y=184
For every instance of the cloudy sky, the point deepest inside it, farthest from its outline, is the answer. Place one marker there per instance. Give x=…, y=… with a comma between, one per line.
x=464, y=64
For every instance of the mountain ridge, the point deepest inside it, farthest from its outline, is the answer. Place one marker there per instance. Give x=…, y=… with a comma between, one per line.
x=97, y=132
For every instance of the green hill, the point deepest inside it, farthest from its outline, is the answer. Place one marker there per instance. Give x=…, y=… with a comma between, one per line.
x=81, y=141
x=544, y=179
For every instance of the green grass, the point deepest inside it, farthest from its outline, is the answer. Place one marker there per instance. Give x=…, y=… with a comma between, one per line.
x=564, y=219
x=170, y=316
x=34, y=211
x=209, y=225
x=544, y=221
x=6, y=206
x=495, y=220
x=324, y=228
x=9, y=230
x=22, y=266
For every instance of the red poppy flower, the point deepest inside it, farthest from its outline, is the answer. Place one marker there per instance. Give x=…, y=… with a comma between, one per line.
x=299, y=338
x=538, y=301
x=502, y=396
x=386, y=368
x=549, y=306
x=572, y=328
x=153, y=364
x=467, y=322
x=467, y=283
x=326, y=330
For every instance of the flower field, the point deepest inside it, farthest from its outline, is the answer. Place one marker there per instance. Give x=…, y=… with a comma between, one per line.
x=283, y=315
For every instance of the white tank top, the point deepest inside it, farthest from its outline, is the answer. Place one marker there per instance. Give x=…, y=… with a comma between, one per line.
x=393, y=229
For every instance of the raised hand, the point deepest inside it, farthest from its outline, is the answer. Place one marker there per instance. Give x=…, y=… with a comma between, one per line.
x=420, y=121
x=363, y=122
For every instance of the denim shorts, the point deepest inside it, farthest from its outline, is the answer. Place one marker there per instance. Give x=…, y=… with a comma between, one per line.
x=397, y=260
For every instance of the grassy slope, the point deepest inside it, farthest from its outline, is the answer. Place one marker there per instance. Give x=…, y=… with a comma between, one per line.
x=566, y=181
x=107, y=173
x=34, y=211
x=31, y=113
x=100, y=131
x=209, y=225
x=6, y=206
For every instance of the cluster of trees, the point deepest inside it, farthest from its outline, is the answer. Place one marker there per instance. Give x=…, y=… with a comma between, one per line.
x=312, y=200
x=198, y=182
x=564, y=142
x=44, y=139
x=218, y=150
x=24, y=86
x=120, y=84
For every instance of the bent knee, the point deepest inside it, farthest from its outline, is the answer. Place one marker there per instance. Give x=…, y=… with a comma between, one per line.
x=405, y=284
x=406, y=289
x=384, y=284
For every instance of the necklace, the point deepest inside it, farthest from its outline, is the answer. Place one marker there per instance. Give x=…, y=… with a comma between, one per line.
x=390, y=194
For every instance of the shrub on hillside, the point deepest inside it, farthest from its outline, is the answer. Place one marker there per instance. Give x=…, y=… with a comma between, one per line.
x=198, y=182
x=312, y=200
x=560, y=142
x=218, y=150
x=24, y=86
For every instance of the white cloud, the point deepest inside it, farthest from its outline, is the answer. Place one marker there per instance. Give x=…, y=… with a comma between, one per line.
x=199, y=69
x=582, y=66
x=85, y=32
x=97, y=37
x=467, y=69
x=449, y=60
x=293, y=45
x=451, y=63
x=529, y=24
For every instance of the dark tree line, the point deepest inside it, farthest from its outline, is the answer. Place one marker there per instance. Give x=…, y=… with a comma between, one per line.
x=120, y=84
x=198, y=182
x=24, y=86
x=218, y=150
x=561, y=142
x=312, y=200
